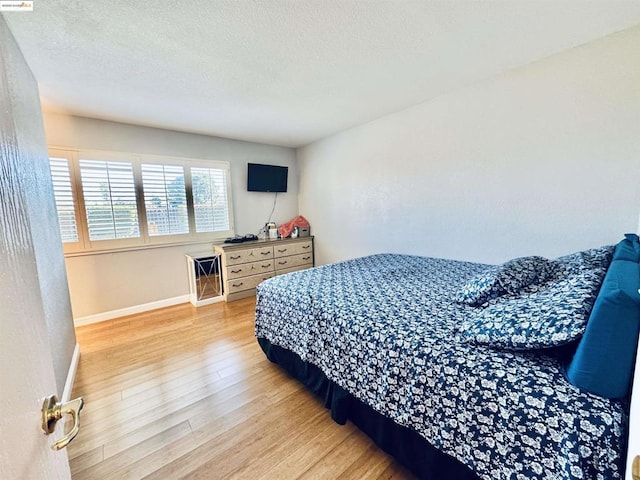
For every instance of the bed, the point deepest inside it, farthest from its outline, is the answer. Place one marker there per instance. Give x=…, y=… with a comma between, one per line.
x=464, y=370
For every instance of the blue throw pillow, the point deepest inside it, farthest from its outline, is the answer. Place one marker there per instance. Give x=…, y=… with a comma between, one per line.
x=509, y=278
x=481, y=288
x=604, y=360
x=522, y=272
x=592, y=259
x=548, y=316
x=628, y=249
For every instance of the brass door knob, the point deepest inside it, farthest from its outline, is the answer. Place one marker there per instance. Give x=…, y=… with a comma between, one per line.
x=635, y=468
x=52, y=411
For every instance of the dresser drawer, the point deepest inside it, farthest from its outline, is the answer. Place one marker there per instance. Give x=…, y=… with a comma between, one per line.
x=236, y=257
x=246, y=269
x=284, y=263
x=294, y=269
x=292, y=249
x=245, y=283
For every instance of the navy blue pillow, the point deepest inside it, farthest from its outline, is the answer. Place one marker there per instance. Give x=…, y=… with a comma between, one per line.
x=509, y=278
x=604, y=360
x=628, y=249
x=481, y=288
x=592, y=259
x=552, y=315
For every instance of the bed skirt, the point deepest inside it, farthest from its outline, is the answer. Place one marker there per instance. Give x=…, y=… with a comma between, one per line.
x=405, y=445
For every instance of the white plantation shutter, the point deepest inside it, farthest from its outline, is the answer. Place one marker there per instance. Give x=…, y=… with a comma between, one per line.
x=165, y=199
x=65, y=204
x=179, y=200
x=110, y=199
x=210, y=199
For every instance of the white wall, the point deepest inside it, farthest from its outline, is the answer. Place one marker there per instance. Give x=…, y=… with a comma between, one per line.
x=544, y=159
x=114, y=281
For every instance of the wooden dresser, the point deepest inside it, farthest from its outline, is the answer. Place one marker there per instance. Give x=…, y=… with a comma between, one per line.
x=245, y=265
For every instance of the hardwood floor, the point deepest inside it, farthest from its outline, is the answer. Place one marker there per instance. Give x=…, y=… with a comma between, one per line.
x=187, y=393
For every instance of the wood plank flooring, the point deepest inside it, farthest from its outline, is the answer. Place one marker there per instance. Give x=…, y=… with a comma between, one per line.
x=186, y=392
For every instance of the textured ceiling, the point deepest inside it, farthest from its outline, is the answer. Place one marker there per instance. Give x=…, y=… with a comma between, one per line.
x=286, y=72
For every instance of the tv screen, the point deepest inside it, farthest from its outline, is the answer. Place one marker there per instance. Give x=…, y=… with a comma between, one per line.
x=267, y=178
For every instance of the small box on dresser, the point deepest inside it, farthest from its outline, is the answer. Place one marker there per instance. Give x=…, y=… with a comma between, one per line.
x=245, y=265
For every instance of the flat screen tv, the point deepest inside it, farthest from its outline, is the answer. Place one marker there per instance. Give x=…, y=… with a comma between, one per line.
x=267, y=178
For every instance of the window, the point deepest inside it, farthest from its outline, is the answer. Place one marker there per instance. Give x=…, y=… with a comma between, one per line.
x=165, y=199
x=108, y=201
x=65, y=203
x=210, y=199
x=109, y=195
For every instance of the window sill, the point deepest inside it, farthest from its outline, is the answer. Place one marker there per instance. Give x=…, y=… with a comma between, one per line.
x=83, y=253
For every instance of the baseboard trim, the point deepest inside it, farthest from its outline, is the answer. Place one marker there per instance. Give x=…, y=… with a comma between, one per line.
x=145, y=307
x=71, y=374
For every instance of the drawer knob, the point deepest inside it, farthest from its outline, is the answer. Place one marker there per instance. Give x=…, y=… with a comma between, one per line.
x=237, y=284
x=235, y=258
x=282, y=263
x=282, y=251
x=306, y=246
x=306, y=258
x=236, y=271
x=264, y=253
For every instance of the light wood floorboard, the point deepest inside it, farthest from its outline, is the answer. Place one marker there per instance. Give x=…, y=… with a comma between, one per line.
x=185, y=392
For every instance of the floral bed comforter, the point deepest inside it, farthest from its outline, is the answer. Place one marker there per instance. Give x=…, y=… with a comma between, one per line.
x=384, y=328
